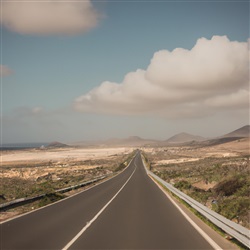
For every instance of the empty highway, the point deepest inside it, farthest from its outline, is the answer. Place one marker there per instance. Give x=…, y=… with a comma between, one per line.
x=128, y=211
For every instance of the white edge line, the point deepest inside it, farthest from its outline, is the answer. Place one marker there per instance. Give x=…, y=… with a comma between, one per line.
x=33, y=211
x=96, y=216
x=199, y=230
x=51, y=204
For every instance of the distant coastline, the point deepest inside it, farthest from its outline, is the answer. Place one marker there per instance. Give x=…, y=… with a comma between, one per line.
x=19, y=146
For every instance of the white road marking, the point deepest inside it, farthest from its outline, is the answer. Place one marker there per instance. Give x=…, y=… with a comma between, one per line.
x=97, y=215
x=62, y=200
x=200, y=231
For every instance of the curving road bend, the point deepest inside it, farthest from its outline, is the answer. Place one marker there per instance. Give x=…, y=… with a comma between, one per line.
x=128, y=211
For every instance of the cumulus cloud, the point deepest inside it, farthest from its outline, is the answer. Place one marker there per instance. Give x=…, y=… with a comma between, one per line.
x=212, y=76
x=212, y=64
x=5, y=70
x=239, y=99
x=50, y=17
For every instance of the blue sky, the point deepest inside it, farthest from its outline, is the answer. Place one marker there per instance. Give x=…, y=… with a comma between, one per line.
x=46, y=70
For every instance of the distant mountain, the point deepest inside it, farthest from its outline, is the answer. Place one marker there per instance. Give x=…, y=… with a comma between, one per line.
x=184, y=137
x=241, y=132
x=181, y=138
x=230, y=137
x=130, y=141
x=56, y=144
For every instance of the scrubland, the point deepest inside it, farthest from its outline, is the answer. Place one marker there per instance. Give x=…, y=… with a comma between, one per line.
x=32, y=172
x=217, y=176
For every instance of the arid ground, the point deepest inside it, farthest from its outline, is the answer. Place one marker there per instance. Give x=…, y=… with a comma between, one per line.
x=31, y=172
x=217, y=176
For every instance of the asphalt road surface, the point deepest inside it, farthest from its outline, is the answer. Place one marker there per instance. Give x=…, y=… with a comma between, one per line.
x=128, y=211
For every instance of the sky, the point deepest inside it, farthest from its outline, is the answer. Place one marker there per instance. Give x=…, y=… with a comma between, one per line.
x=93, y=70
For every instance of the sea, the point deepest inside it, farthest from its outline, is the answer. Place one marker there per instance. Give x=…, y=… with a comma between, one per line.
x=19, y=146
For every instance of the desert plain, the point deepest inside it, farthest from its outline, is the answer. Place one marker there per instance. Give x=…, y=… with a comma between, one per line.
x=215, y=175
x=31, y=172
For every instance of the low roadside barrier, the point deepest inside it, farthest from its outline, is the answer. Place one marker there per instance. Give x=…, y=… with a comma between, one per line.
x=237, y=231
x=22, y=201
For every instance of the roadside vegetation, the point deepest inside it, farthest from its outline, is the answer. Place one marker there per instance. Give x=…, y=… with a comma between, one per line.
x=222, y=184
x=125, y=163
x=32, y=179
x=12, y=188
x=15, y=188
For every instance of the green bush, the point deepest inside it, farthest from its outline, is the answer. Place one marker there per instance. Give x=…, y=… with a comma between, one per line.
x=229, y=186
x=125, y=163
x=50, y=198
x=183, y=185
x=120, y=167
x=234, y=208
x=243, y=191
x=200, y=195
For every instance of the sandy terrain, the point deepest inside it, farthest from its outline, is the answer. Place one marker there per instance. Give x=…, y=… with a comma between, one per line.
x=31, y=164
x=175, y=161
x=239, y=146
x=68, y=154
x=175, y=155
x=31, y=172
x=203, y=185
x=209, y=173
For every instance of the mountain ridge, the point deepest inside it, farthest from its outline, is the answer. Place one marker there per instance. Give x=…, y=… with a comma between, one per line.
x=240, y=132
x=180, y=138
x=184, y=137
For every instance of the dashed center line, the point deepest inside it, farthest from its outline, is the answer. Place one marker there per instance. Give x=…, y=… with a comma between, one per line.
x=97, y=215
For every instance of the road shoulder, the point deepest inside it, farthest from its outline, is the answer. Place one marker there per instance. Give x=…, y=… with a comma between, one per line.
x=215, y=236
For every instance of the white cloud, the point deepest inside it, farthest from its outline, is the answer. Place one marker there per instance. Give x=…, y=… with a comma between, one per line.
x=213, y=64
x=49, y=17
x=5, y=70
x=235, y=100
x=212, y=76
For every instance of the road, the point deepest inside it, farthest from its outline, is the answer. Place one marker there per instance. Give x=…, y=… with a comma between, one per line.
x=128, y=211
